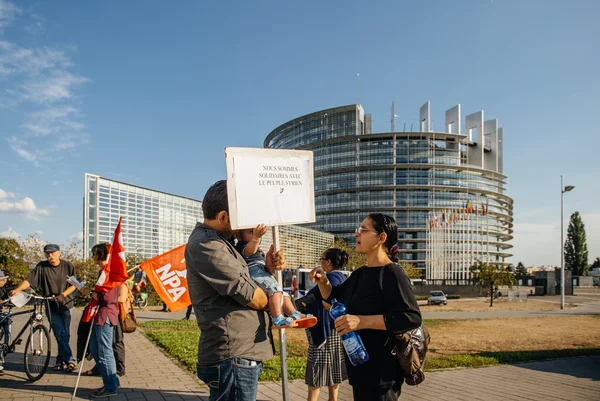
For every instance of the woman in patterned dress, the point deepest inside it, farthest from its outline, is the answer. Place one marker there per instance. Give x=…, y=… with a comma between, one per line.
x=325, y=365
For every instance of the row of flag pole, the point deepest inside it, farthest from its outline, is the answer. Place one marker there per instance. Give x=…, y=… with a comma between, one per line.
x=456, y=239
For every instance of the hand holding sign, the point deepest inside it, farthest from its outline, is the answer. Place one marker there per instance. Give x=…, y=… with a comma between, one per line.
x=259, y=231
x=275, y=260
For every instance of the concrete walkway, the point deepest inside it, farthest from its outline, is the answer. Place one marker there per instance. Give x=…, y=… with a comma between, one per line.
x=153, y=376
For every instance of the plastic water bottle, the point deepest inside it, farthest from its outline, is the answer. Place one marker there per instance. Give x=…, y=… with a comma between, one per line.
x=352, y=343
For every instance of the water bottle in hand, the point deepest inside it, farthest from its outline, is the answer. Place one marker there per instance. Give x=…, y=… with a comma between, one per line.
x=352, y=343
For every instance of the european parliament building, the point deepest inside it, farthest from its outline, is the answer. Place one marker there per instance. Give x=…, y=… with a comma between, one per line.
x=445, y=189
x=155, y=222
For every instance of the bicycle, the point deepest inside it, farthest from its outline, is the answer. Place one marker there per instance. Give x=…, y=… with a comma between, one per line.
x=140, y=299
x=36, y=355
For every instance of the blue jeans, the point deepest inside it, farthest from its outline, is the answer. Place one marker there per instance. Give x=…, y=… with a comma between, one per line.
x=101, y=346
x=234, y=379
x=60, y=322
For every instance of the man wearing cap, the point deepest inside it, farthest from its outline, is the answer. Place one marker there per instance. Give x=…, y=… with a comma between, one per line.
x=49, y=277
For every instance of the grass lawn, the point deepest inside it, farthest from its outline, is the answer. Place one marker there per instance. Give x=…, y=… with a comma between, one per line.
x=455, y=343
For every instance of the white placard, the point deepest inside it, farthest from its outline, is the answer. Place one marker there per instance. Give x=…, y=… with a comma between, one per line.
x=270, y=186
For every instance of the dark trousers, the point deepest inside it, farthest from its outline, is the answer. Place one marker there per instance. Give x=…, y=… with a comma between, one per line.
x=362, y=393
x=188, y=313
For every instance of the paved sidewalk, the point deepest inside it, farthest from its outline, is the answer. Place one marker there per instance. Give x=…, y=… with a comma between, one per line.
x=152, y=376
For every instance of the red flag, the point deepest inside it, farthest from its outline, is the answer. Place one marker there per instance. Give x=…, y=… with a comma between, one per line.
x=113, y=275
x=115, y=270
x=90, y=311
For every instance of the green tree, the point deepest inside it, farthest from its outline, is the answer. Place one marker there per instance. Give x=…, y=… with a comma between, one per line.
x=33, y=250
x=12, y=261
x=521, y=270
x=596, y=264
x=489, y=276
x=411, y=271
x=355, y=260
x=576, y=251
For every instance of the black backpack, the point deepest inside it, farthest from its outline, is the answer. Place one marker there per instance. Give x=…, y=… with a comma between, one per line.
x=410, y=347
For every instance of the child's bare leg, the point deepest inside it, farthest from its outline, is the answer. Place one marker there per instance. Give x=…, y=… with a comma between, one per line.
x=275, y=304
x=288, y=307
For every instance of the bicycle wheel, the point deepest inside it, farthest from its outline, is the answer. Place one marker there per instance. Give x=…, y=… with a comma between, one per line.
x=143, y=302
x=37, y=352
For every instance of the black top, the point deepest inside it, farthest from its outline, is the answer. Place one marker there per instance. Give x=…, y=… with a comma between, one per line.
x=362, y=295
x=52, y=280
x=3, y=296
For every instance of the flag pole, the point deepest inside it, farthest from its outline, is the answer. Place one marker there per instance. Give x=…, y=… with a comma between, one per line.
x=83, y=358
x=282, y=336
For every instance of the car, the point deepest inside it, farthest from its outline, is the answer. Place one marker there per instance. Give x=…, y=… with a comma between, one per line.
x=437, y=298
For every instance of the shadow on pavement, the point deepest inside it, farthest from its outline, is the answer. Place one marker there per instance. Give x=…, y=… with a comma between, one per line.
x=585, y=367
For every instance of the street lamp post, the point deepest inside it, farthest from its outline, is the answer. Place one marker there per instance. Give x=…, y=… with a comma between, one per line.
x=563, y=189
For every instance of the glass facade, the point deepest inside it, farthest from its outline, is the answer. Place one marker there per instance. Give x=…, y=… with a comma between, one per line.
x=409, y=175
x=153, y=222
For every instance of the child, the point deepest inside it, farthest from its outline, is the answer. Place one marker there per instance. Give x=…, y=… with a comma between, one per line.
x=248, y=245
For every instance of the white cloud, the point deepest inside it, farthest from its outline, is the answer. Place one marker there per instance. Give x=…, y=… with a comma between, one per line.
x=39, y=85
x=76, y=237
x=6, y=195
x=10, y=234
x=8, y=13
x=24, y=206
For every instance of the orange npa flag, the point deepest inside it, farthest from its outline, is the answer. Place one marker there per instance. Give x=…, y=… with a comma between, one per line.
x=168, y=276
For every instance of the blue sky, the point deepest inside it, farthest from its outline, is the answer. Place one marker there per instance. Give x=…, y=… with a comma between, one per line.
x=151, y=93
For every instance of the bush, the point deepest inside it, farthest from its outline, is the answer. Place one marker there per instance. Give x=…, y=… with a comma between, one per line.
x=421, y=297
x=453, y=296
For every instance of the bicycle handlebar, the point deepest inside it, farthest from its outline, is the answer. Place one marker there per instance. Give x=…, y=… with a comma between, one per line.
x=43, y=298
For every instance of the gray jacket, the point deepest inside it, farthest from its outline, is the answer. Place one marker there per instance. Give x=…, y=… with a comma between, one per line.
x=221, y=288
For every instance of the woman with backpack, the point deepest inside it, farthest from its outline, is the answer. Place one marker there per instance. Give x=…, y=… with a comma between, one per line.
x=380, y=301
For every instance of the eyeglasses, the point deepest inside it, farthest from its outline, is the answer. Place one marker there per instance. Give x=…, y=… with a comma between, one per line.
x=324, y=259
x=361, y=230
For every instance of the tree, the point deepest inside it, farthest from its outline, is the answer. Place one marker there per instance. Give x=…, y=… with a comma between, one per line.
x=490, y=276
x=12, y=261
x=521, y=270
x=576, y=252
x=411, y=271
x=355, y=260
x=596, y=264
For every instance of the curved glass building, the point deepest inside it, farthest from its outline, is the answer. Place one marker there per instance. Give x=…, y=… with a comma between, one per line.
x=445, y=189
